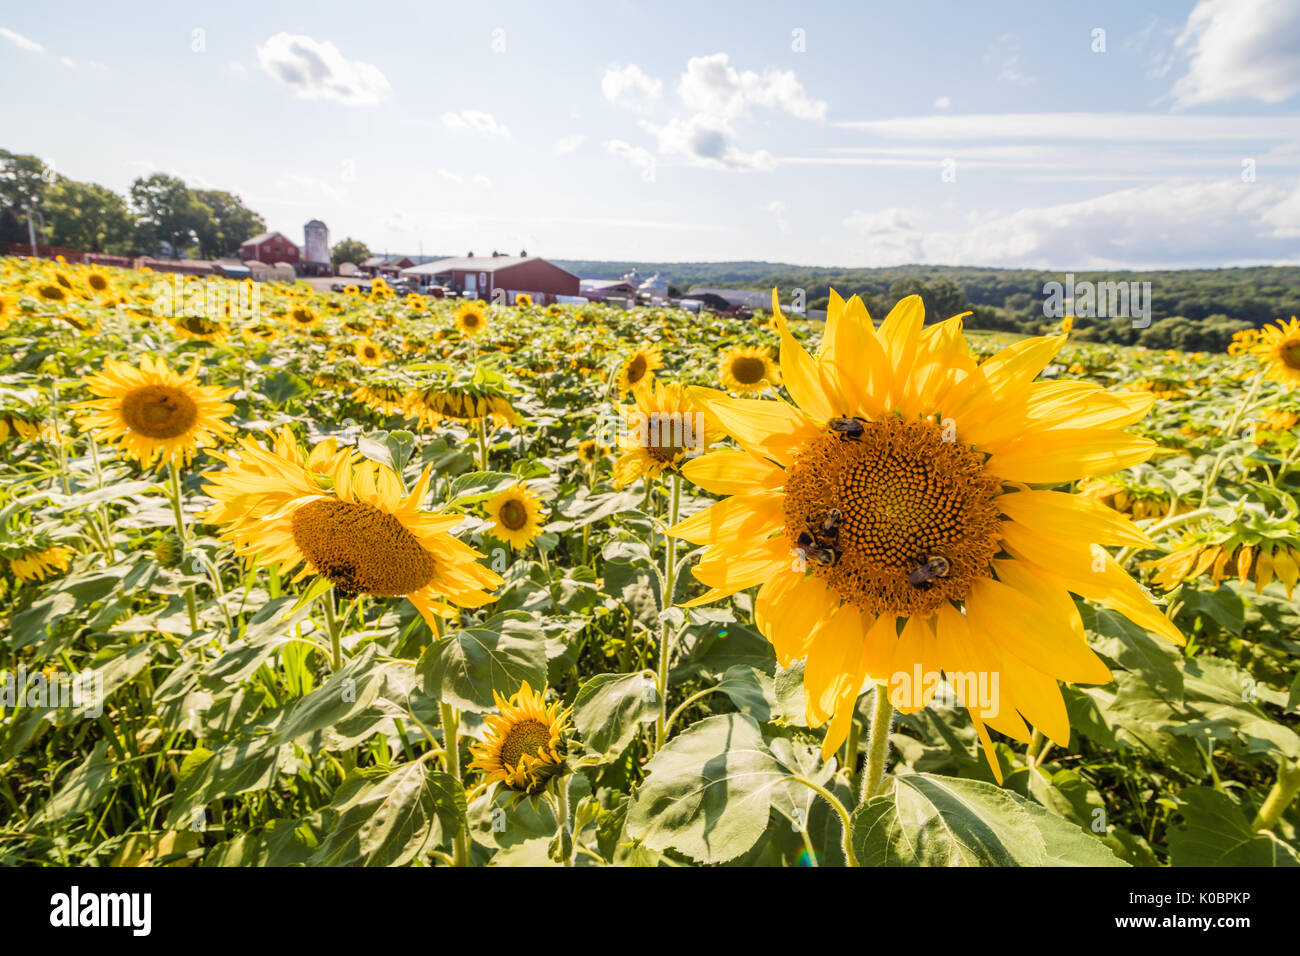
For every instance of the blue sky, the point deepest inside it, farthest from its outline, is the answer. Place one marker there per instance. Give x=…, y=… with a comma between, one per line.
x=854, y=134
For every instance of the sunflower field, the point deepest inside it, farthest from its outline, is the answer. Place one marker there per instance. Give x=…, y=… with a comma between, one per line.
x=290, y=577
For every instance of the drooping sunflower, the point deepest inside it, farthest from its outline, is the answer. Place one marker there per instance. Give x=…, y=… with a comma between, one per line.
x=639, y=368
x=471, y=319
x=38, y=562
x=200, y=329
x=749, y=369
x=659, y=432
x=385, y=399
x=1260, y=562
x=516, y=516
x=26, y=428
x=1278, y=348
x=459, y=403
x=344, y=517
x=889, y=520
x=260, y=332
x=1137, y=501
x=524, y=746
x=153, y=412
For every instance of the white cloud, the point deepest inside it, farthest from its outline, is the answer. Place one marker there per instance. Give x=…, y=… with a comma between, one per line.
x=942, y=103
x=1172, y=224
x=20, y=41
x=69, y=62
x=317, y=70
x=629, y=87
x=1004, y=53
x=707, y=141
x=636, y=155
x=712, y=85
x=1240, y=49
x=475, y=121
x=777, y=208
x=1108, y=127
x=569, y=144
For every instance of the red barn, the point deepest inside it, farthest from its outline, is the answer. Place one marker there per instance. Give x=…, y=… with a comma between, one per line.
x=269, y=247
x=481, y=277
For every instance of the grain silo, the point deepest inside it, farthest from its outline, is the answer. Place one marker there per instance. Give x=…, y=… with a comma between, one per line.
x=316, y=249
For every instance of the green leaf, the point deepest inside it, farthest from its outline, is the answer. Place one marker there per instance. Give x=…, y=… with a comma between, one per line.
x=948, y=821
x=708, y=793
x=1216, y=833
x=465, y=667
x=388, y=821
x=764, y=697
x=82, y=789
x=1156, y=660
x=610, y=708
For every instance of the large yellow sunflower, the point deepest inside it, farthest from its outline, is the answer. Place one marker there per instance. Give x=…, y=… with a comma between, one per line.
x=154, y=412
x=524, y=746
x=639, y=368
x=888, y=516
x=344, y=517
x=1278, y=347
x=516, y=516
x=748, y=370
x=660, y=431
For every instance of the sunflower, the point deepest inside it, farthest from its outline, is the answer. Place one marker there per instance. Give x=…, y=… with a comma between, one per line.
x=415, y=302
x=260, y=332
x=8, y=309
x=343, y=517
x=385, y=399
x=748, y=370
x=351, y=290
x=591, y=451
x=155, y=412
x=1243, y=341
x=302, y=318
x=36, y=564
x=523, y=298
x=368, y=352
x=26, y=428
x=888, y=519
x=639, y=367
x=459, y=403
x=516, y=516
x=1067, y=324
x=524, y=744
x=1278, y=348
x=1130, y=499
x=51, y=292
x=471, y=319
x=201, y=329
x=380, y=288
x=99, y=283
x=660, y=431
x=1260, y=562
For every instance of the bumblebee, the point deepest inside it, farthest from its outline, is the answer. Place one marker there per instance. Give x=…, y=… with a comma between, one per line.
x=849, y=429
x=936, y=566
x=821, y=543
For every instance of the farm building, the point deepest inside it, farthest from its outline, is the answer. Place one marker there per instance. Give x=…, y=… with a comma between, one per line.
x=316, y=249
x=269, y=247
x=386, y=265
x=489, y=277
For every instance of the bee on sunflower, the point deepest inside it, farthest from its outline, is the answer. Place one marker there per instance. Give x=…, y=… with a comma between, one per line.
x=639, y=368
x=516, y=515
x=153, y=412
x=524, y=746
x=343, y=517
x=1278, y=349
x=888, y=521
x=748, y=370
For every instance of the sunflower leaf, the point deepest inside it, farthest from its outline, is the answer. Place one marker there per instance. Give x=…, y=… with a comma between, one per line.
x=465, y=667
x=610, y=708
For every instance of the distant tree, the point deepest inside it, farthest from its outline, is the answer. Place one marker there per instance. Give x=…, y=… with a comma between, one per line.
x=349, y=250
x=24, y=180
x=168, y=211
x=231, y=223
x=88, y=216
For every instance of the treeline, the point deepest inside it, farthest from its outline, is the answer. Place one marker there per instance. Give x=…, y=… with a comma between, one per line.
x=1192, y=309
x=160, y=216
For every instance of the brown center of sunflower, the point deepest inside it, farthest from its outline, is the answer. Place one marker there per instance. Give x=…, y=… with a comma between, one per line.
x=636, y=369
x=513, y=515
x=361, y=549
x=370, y=352
x=896, y=520
x=302, y=316
x=470, y=319
x=97, y=282
x=1290, y=353
x=524, y=738
x=748, y=370
x=198, y=325
x=52, y=292
x=159, y=411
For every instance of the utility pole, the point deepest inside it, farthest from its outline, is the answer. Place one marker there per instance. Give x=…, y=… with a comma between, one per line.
x=31, y=230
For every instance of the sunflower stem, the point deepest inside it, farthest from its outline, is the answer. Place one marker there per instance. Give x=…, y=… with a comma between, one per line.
x=665, y=629
x=851, y=751
x=335, y=628
x=482, y=444
x=562, y=819
x=178, y=513
x=882, y=718
x=1228, y=433
x=451, y=762
x=846, y=819
x=1279, y=797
